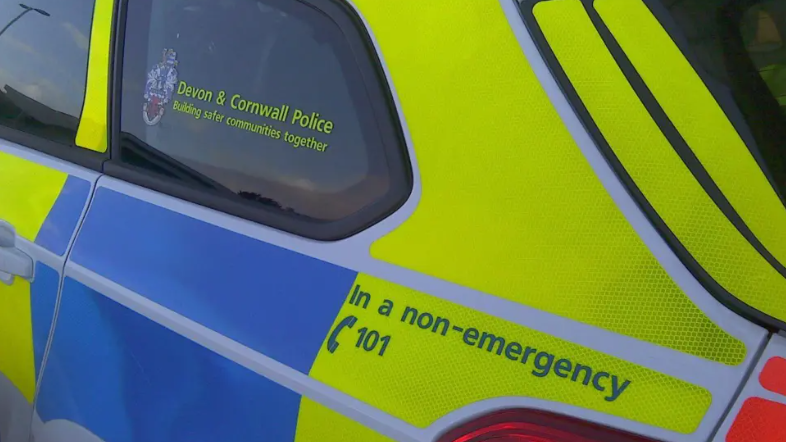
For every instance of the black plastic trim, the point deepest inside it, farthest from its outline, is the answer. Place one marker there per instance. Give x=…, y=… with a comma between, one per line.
x=67, y=152
x=113, y=112
x=382, y=106
x=704, y=278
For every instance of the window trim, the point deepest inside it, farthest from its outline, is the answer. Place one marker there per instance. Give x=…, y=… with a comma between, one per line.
x=381, y=106
x=67, y=152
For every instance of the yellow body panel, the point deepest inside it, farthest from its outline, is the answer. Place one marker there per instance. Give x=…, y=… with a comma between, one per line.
x=29, y=190
x=699, y=118
x=319, y=423
x=509, y=204
x=92, y=132
x=427, y=372
x=16, y=330
x=653, y=164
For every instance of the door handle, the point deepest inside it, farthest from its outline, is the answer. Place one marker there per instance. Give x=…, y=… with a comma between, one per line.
x=13, y=262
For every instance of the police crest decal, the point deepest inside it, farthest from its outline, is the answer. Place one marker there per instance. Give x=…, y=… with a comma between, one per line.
x=160, y=87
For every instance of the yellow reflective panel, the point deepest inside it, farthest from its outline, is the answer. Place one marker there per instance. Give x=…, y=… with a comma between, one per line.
x=419, y=357
x=29, y=191
x=317, y=422
x=92, y=132
x=699, y=119
x=509, y=204
x=16, y=337
x=652, y=162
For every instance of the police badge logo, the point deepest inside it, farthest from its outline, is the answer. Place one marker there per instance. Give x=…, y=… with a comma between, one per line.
x=160, y=87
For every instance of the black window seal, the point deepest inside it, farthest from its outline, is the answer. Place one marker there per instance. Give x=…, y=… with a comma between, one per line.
x=381, y=104
x=705, y=279
x=67, y=152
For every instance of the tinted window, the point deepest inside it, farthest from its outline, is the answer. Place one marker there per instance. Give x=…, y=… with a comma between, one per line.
x=257, y=101
x=739, y=46
x=43, y=66
x=761, y=29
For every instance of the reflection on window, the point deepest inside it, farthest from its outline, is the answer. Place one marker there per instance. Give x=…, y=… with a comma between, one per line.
x=261, y=100
x=761, y=31
x=43, y=66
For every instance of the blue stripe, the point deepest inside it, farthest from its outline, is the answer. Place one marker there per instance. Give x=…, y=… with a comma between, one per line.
x=270, y=299
x=43, y=297
x=60, y=224
x=129, y=379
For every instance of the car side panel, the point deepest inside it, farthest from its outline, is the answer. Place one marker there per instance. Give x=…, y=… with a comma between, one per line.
x=115, y=372
x=293, y=323
x=128, y=379
x=43, y=199
x=255, y=299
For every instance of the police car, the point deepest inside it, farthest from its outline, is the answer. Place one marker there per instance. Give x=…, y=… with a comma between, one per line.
x=364, y=220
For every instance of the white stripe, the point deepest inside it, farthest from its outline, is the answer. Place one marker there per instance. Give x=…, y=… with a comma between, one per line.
x=248, y=358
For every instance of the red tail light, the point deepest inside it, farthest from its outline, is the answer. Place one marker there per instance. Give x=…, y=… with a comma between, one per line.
x=535, y=426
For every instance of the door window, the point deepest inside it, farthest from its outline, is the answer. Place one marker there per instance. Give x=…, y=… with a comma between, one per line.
x=260, y=103
x=43, y=66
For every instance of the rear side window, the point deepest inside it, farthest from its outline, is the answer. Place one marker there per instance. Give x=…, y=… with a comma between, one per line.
x=271, y=109
x=739, y=47
x=43, y=66
x=761, y=31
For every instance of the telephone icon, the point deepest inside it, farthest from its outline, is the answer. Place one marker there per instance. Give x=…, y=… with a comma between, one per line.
x=332, y=343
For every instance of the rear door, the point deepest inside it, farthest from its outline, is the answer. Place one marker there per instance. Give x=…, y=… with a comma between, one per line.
x=186, y=314
x=49, y=141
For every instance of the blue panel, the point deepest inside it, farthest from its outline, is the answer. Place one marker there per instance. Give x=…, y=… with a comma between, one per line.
x=59, y=226
x=273, y=300
x=128, y=379
x=43, y=297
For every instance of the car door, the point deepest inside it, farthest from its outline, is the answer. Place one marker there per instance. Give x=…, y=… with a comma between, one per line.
x=49, y=142
x=234, y=117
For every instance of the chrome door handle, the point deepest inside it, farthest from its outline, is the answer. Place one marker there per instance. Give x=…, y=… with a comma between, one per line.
x=13, y=262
